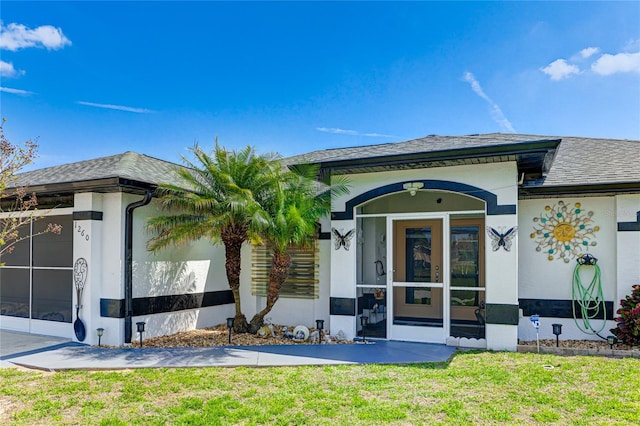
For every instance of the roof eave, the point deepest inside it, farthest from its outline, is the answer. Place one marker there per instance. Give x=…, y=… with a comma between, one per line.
x=542, y=146
x=111, y=184
x=589, y=189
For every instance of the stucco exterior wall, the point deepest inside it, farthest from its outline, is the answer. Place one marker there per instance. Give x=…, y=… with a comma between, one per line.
x=540, y=278
x=498, y=178
x=628, y=248
x=90, y=243
x=195, y=267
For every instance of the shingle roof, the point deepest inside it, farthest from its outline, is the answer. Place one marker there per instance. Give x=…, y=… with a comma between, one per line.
x=128, y=165
x=595, y=161
x=433, y=143
x=578, y=160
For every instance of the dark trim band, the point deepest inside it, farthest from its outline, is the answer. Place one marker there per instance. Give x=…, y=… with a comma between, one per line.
x=630, y=226
x=491, y=199
x=114, y=308
x=502, y=314
x=324, y=236
x=342, y=306
x=87, y=215
x=553, y=308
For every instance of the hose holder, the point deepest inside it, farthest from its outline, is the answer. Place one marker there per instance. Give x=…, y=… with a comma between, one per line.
x=587, y=259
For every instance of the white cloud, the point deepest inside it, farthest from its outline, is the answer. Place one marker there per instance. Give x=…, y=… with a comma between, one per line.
x=17, y=36
x=351, y=132
x=632, y=45
x=116, y=107
x=560, y=69
x=7, y=70
x=496, y=113
x=15, y=91
x=621, y=62
x=589, y=51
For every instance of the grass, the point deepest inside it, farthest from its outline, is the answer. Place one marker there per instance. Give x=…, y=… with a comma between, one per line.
x=474, y=388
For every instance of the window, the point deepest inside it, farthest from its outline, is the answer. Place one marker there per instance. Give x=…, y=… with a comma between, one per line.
x=37, y=279
x=302, y=282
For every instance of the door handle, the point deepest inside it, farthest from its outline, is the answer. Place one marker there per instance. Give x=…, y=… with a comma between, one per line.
x=437, y=273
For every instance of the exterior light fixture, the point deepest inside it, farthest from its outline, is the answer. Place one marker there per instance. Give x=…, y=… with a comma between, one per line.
x=413, y=187
x=363, y=321
x=611, y=340
x=320, y=326
x=230, y=322
x=557, y=330
x=100, y=332
x=140, y=326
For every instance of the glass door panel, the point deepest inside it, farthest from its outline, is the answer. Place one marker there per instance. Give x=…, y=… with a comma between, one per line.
x=467, y=291
x=467, y=314
x=372, y=304
x=417, y=279
x=465, y=256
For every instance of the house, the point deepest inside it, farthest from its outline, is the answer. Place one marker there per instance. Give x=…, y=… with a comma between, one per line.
x=459, y=240
x=102, y=205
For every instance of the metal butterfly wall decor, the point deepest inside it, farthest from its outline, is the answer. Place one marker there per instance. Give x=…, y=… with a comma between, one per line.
x=341, y=240
x=501, y=239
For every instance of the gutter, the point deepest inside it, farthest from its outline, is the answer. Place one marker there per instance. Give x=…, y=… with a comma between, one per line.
x=128, y=259
x=587, y=189
x=442, y=155
x=103, y=185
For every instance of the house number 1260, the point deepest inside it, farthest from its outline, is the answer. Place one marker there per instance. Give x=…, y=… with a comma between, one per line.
x=83, y=232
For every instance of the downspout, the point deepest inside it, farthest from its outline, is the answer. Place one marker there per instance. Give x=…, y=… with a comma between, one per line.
x=128, y=259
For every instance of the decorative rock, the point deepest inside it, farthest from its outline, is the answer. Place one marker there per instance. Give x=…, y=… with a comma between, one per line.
x=264, y=331
x=341, y=336
x=314, y=337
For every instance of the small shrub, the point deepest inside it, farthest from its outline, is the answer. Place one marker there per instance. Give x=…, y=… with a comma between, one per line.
x=628, y=330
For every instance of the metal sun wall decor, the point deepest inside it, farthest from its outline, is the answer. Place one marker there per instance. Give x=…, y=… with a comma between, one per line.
x=564, y=231
x=342, y=240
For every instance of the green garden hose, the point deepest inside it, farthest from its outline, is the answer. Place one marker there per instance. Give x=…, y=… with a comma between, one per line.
x=590, y=299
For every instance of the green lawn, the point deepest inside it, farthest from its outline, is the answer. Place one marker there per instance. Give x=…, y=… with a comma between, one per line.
x=475, y=387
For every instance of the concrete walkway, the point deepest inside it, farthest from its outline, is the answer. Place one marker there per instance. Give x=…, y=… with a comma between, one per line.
x=68, y=355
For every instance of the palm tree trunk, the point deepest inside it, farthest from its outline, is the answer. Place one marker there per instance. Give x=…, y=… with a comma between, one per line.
x=232, y=239
x=280, y=264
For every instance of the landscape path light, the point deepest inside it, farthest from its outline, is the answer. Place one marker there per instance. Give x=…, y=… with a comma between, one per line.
x=100, y=332
x=230, y=322
x=557, y=330
x=320, y=326
x=140, y=326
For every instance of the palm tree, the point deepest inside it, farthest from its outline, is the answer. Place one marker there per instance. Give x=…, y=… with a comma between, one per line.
x=221, y=199
x=296, y=206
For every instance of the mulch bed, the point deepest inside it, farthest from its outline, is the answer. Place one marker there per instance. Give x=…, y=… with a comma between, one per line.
x=578, y=344
x=219, y=336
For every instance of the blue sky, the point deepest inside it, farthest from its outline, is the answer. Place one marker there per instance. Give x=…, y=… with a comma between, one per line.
x=90, y=79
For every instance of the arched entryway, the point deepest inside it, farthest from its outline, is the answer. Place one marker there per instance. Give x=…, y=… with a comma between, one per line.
x=420, y=263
